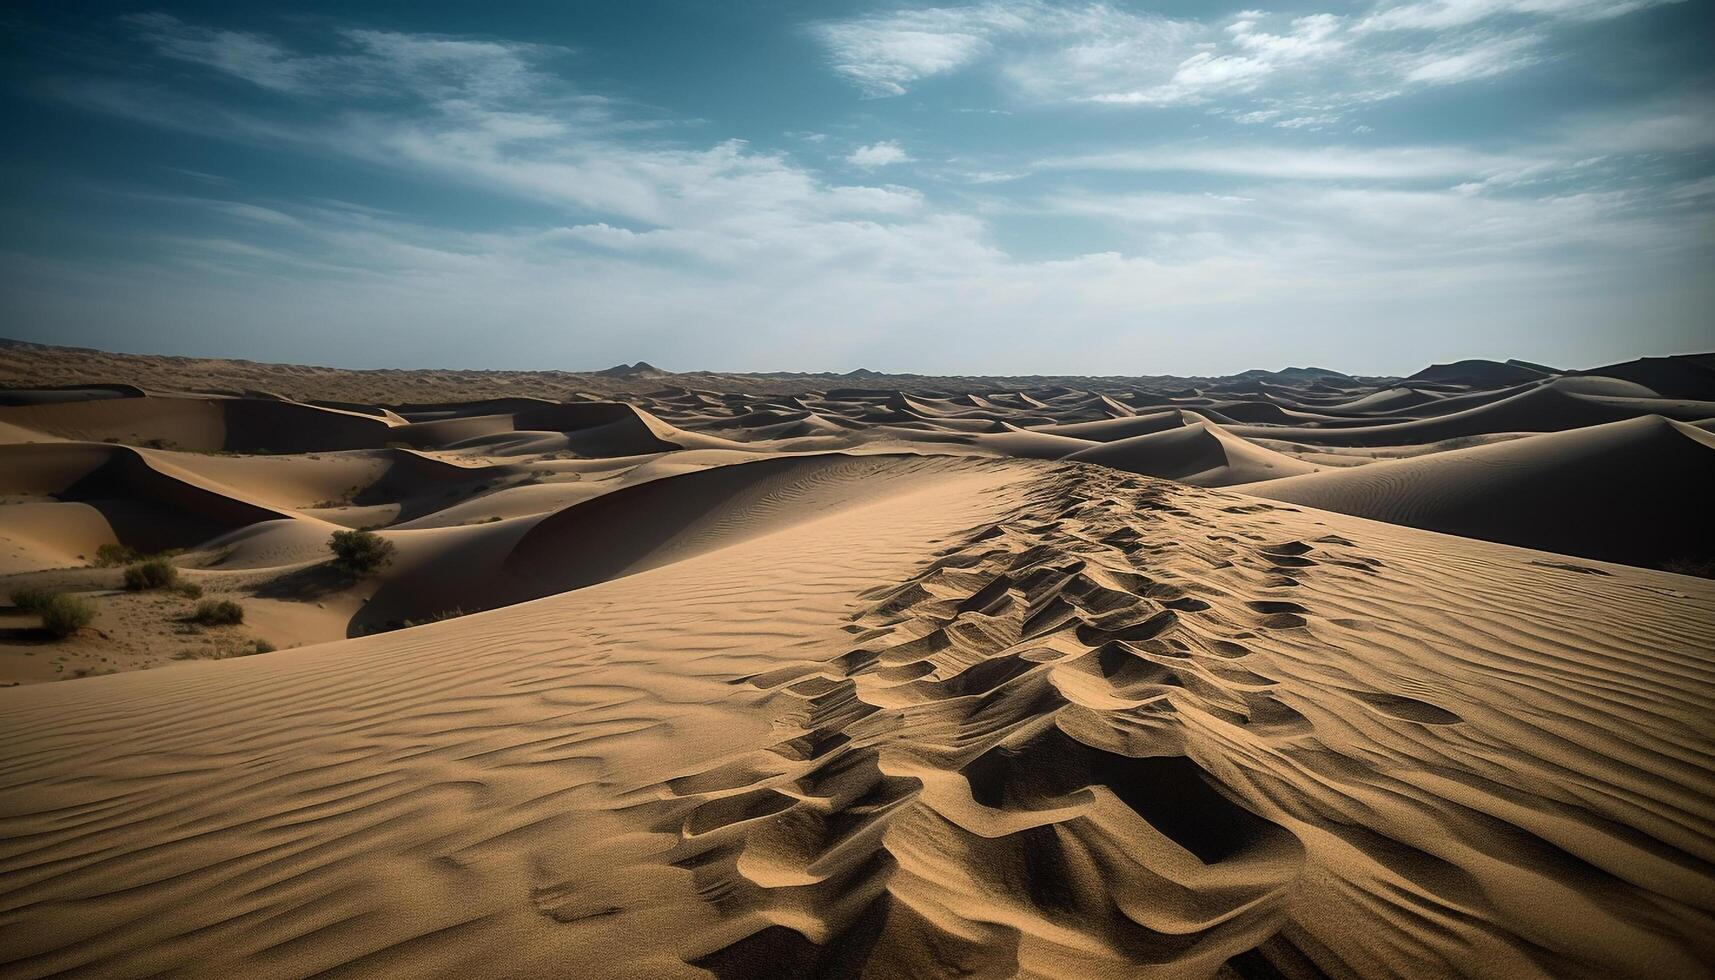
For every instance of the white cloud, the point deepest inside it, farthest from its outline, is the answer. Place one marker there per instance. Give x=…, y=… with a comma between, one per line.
x=248, y=56
x=875, y=155
x=1048, y=46
x=1482, y=58
x=1440, y=14
x=368, y=63
x=1314, y=65
x=884, y=54
x=482, y=114
x=1676, y=124
x=1328, y=163
x=1315, y=39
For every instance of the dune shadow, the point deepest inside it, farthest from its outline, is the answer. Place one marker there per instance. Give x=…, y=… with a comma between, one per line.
x=308, y=584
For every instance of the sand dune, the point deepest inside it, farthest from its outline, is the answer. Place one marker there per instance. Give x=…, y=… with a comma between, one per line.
x=1199, y=453
x=1691, y=378
x=1552, y=407
x=1632, y=491
x=1117, y=726
x=144, y=500
x=693, y=675
x=205, y=424
x=641, y=526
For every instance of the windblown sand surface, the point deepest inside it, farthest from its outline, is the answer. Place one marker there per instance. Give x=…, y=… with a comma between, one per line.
x=1070, y=678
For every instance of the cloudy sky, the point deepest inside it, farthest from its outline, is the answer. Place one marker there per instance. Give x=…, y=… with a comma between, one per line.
x=993, y=187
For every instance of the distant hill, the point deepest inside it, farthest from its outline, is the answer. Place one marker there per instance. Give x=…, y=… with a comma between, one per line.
x=642, y=369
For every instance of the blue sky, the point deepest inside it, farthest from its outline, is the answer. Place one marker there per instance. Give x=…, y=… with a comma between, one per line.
x=997, y=187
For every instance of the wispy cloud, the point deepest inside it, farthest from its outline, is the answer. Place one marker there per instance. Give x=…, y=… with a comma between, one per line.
x=1405, y=163
x=885, y=54
x=1306, y=66
x=1482, y=58
x=1440, y=14
x=483, y=114
x=880, y=154
x=367, y=63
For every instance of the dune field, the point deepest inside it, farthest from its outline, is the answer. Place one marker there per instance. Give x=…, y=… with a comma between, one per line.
x=1283, y=674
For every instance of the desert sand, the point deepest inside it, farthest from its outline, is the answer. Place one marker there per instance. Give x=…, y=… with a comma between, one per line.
x=1284, y=674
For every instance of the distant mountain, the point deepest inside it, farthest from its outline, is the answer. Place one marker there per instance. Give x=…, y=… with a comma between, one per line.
x=642, y=369
x=1292, y=373
x=1477, y=372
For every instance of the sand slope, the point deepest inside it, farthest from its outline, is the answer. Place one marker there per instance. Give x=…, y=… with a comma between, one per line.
x=142, y=496
x=1633, y=491
x=1552, y=407
x=1115, y=727
x=1199, y=453
x=629, y=530
x=204, y=424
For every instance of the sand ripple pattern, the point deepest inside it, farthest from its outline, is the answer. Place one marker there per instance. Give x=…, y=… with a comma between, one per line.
x=1145, y=730
x=1005, y=719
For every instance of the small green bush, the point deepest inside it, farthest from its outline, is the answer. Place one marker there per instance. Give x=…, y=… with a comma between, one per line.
x=360, y=552
x=31, y=600
x=263, y=646
x=190, y=590
x=114, y=555
x=156, y=573
x=64, y=615
x=218, y=612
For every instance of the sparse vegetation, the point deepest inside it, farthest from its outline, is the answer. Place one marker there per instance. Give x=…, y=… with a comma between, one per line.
x=404, y=624
x=114, y=555
x=154, y=573
x=62, y=615
x=360, y=552
x=218, y=612
x=1460, y=442
x=30, y=600
x=346, y=498
x=190, y=590
x=225, y=648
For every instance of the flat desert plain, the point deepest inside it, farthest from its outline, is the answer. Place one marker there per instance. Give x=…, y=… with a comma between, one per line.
x=1285, y=674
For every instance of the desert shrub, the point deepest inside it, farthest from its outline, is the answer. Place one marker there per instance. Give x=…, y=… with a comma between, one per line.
x=1461, y=442
x=156, y=573
x=218, y=612
x=262, y=646
x=114, y=555
x=346, y=498
x=31, y=600
x=62, y=615
x=190, y=590
x=440, y=617
x=360, y=552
